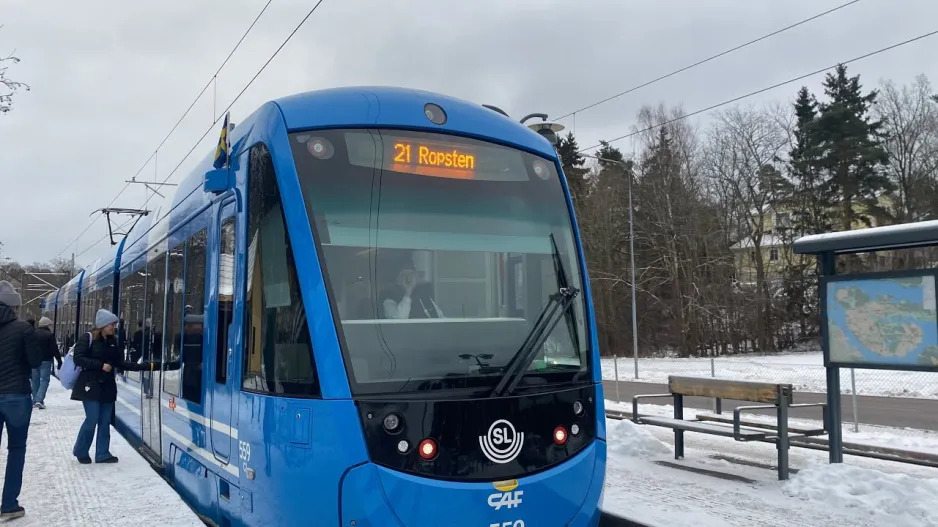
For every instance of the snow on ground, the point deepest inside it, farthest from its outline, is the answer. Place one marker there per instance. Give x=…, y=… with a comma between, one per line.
x=57, y=490
x=861, y=492
x=804, y=370
x=925, y=441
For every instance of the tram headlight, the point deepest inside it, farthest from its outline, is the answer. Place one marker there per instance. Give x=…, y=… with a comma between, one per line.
x=578, y=408
x=391, y=422
x=434, y=113
x=403, y=446
x=575, y=429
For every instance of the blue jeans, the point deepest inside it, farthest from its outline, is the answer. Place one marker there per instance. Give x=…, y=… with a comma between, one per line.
x=97, y=415
x=40, y=381
x=15, y=411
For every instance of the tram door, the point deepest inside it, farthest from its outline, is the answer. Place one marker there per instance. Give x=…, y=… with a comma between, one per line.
x=155, y=302
x=224, y=385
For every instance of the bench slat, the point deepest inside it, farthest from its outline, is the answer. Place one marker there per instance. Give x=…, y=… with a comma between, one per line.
x=703, y=428
x=760, y=392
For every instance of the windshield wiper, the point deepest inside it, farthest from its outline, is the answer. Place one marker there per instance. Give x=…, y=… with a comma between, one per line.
x=550, y=316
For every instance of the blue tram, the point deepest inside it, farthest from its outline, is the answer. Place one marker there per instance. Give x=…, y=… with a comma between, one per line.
x=376, y=313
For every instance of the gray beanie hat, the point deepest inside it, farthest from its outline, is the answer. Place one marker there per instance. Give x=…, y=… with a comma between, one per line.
x=104, y=318
x=8, y=295
x=44, y=322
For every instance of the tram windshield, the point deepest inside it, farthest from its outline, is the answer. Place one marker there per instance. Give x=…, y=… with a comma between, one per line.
x=440, y=254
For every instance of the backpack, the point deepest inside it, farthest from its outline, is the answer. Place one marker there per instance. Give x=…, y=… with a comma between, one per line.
x=68, y=373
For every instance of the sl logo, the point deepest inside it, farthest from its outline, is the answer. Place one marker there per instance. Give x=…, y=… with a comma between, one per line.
x=502, y=443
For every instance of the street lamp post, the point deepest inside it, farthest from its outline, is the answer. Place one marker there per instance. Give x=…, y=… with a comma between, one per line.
x=631, y=258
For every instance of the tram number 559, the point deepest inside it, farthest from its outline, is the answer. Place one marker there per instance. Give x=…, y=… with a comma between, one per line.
x=516, y=523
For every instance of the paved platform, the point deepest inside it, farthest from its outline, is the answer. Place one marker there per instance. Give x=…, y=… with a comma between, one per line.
x=57, y=490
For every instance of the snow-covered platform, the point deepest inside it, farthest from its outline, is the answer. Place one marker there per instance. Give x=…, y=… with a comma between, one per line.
x=724, y=483
x=57, y=490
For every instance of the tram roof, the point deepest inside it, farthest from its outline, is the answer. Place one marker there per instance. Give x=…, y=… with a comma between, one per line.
x=385, y=106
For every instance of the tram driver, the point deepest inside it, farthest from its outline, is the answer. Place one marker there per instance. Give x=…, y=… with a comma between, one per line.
x=410, y=296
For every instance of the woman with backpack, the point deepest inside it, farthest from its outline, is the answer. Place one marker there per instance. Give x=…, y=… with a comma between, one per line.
x=98, y=356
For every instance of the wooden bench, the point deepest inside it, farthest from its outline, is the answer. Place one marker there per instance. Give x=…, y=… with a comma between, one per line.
x=773, y=396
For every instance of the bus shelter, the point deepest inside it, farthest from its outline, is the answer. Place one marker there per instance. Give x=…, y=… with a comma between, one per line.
x=873, y=320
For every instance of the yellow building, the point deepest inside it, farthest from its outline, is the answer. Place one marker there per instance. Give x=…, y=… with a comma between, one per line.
x=774, y=240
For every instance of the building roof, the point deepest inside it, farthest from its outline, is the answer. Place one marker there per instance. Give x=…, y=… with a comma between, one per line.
x=768, y=240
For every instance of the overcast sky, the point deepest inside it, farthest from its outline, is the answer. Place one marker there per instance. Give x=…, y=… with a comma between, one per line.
x=110, y=78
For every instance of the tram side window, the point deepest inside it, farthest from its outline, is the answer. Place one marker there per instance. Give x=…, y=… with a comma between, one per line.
x=133, y=292
x=226, y=270
x=278, y=354
x=193, y=318
x=174, y=309
x=156, y=289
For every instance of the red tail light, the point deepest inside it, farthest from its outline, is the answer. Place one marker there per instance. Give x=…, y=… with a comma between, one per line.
x=560, y=435
x=427, y=449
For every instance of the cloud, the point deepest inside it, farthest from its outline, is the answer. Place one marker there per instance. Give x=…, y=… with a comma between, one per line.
x=111, y=78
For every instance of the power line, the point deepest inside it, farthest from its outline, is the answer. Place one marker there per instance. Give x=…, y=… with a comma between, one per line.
x=213, y=79
x=223, y=112
x=772, y=87
x=708, y=59
x=246, y=86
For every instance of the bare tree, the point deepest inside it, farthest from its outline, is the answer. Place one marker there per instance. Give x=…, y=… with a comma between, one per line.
x=742, y=158
x=910, y=120
x=8, y=86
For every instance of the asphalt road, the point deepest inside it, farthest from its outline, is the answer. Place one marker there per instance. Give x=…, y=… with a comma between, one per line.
x=885, y=411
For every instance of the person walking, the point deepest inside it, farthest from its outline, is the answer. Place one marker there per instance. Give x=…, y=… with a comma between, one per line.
x=97, y=355
x=19, y=354
x=50, y=351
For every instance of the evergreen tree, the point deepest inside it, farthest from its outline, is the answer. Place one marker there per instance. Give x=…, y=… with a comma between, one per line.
x=850, y=152
x=804, y=197
x=572, y=163
x=613, y=169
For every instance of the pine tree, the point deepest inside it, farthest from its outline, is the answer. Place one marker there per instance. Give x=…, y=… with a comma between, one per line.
x=572, y=163
x=849, y=151
x=811, y=209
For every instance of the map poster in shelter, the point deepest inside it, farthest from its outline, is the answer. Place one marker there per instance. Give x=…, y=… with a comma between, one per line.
x=883, y=322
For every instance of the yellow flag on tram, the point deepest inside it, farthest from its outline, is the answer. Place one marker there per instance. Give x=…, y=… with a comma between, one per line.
x=221, y=152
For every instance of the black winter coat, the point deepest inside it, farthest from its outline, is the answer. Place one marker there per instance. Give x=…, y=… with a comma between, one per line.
x=19, y=353
x=93, y=383
x=47, y=345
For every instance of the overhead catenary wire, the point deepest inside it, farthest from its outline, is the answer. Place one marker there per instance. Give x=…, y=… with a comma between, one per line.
x=708, y=59
x=243, y=90
x=763, y=90
x=212, y=80
x=230, y=105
